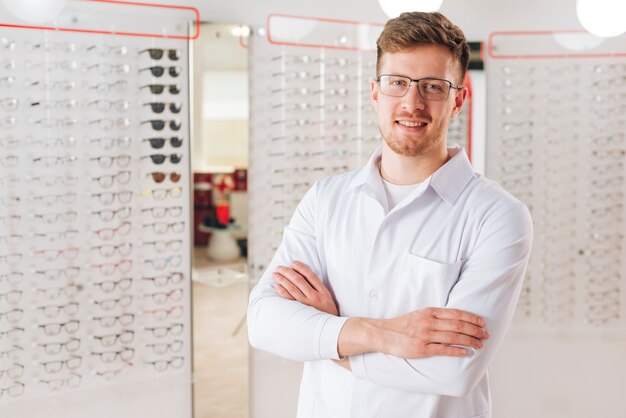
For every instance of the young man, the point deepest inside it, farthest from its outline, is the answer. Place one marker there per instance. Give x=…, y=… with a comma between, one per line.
x=409, y=268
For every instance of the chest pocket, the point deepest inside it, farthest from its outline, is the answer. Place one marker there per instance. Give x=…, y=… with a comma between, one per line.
x=430, y=281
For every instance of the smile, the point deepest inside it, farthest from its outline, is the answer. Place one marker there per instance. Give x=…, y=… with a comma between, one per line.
x=411, y=124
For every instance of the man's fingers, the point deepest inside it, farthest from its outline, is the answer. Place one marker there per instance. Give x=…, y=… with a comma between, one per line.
x=309, y=275
x=445, y=337
x=291, y=288
x=435, y=349
x=460, y=327
x=282, y=292
x=297, y=280
x=445, y=313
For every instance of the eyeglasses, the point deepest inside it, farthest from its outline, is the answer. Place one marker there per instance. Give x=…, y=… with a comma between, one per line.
x=160, y=158
x=117, y=86
x=106, y=161
x=159, y=88
x=11, y=352
x=161, y=246
x=434, y=89
x=107, y=215
x=50, y=218
x=54, y=293
x=54, y=329
x=9, y=104
x=109, y=340
x=71, y=346
x=55, y=274
x=166, y=313
x=160, y=194
x=50, y=161
x=163, y=365
x=107, y=198
x=107, y=124
x=164, y=227
x=11, y=297
x=125, y=354
x=157, y=53
x=15, y=390
x=47, y=181
x=159, y=107
x=158, y=143
x=163, y=348
x=110, y=304
x=109, y=286
x=52, y=311
x=13, y=316
x=159, y=176
x=162, y=281
x=106, y=105
x=158, y=70
x=109, y=321
x=13, y=372
x=123, y=266
x=51, y=255
x=73, y=380
x=14, y=258
x=107, y=233
x=162, y=297
x=9, y=161
x=162, y=211
x=162, y=263
x=11, y=333
x=160, y=332
x=49, y=200
x=159, y=124
x=110, y=143
x=71, y=363
x=123, y=249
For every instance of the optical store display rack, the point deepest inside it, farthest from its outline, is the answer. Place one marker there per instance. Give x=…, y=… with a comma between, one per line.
x=557, y=141
x=95, y=216
x=311, y=117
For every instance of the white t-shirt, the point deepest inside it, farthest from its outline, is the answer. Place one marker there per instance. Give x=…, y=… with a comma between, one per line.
x=397, y=192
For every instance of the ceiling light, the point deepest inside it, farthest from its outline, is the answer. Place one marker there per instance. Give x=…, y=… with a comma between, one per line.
x=605, y=18
x=393, y=8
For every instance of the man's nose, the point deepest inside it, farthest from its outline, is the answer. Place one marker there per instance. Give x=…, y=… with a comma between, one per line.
x=413, y=100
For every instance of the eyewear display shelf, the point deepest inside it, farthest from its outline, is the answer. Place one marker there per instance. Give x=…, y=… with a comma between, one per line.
x=312, y=117
x=95, y=315
x=556, y=139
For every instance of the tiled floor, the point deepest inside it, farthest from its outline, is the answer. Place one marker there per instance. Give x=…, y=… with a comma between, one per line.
x=220, y=348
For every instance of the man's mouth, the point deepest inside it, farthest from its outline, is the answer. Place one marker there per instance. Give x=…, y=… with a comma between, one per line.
x=410, y=124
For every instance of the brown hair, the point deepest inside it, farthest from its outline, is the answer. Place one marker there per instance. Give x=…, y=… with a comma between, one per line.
x=412, y=29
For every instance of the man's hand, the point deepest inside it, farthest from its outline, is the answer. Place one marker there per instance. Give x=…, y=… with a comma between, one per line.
x=300, y=283
x=424, y=333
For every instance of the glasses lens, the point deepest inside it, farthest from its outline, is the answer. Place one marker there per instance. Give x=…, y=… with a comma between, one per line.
x=156, y=88
x=157, y=71
x=157, y=143
x=174, y=89
x=173, y=54
x=174, y=71
x=392, y=85
x=175, y=125
x=157, y=125
x=158, y=176
x=157, y=107
x=175, y=107
x=157, y=158
x=175, y=158
x=176, y=142
x=433, y=89
x=155, y=53
x=175, y=177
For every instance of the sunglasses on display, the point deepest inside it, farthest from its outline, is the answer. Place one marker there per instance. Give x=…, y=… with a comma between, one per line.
x=158, y=143
x=160, y=158
x=157, y=53
x=159, y=124
x=159, y=176
x=159, y=88
x=159, y=70
x=159, y=107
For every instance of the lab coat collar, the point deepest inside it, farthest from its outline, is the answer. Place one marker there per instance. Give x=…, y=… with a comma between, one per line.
x=448, y=181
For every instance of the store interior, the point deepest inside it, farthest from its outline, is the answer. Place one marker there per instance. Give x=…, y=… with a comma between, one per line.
x=151, y=155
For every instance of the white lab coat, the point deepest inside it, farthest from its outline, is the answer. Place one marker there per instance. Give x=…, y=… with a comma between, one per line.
x=462, y=242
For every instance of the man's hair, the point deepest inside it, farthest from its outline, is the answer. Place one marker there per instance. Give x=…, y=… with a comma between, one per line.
x=412, y=29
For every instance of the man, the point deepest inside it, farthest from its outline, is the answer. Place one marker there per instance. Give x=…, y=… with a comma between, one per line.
x=410, y=268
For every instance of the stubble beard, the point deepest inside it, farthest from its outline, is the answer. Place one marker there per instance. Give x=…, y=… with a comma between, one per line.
x=414, y=148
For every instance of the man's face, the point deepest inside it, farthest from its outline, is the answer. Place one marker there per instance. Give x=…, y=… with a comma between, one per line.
x=410, y=125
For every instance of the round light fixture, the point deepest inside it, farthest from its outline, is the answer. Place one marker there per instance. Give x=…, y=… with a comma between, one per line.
x=34, y=11
x=605, y=18
x=393, y=8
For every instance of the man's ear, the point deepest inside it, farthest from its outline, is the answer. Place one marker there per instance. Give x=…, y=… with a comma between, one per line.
x=374, y=95
x=459, y=99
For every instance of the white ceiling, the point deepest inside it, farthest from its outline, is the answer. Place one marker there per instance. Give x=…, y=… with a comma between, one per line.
x=477, y=18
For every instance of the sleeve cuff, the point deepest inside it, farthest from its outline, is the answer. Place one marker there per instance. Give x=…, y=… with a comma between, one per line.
x=329, y=336
x=357, y=365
